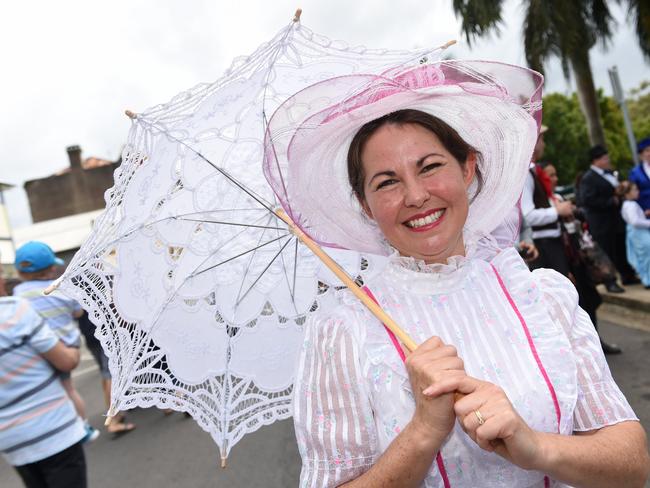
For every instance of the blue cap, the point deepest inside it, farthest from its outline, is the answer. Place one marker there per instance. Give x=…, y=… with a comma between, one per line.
x=35, y=256
x=643, y=143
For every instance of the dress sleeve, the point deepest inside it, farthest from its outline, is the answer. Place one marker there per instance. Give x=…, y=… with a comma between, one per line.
x=600, y=402
x=633, y=214
x=332, y=414
x=535, y=216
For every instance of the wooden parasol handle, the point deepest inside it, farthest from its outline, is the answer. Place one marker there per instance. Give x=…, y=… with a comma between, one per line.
x=349, y=282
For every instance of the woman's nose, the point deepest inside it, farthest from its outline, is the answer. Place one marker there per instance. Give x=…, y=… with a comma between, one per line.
x=415, y=195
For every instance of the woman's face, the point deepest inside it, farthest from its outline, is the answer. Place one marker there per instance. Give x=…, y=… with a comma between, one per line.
x=551, y=172
x=416, y=191
x=633, y=194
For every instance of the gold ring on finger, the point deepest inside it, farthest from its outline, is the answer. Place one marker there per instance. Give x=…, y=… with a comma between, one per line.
x=479, y=417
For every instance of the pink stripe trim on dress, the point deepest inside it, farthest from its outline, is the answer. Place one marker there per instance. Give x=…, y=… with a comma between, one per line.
x=440, y=463
x=533, y=349
x=531, y=344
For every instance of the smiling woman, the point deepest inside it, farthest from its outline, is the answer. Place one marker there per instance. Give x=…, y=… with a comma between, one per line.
x=435, y=156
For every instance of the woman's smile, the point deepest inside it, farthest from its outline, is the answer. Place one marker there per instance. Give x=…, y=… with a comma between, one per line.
x=425, y=221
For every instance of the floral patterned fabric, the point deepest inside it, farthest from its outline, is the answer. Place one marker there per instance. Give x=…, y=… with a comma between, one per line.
x=352, y=394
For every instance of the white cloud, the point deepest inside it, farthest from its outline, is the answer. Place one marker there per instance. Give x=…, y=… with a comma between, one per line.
x=71, y=68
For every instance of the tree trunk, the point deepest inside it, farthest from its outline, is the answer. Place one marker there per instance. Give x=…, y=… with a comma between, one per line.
x=587, y=96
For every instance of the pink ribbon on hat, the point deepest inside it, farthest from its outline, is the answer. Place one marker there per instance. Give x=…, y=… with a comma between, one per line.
x=419, y=78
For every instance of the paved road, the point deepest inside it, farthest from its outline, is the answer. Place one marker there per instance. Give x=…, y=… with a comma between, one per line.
x=173, y=452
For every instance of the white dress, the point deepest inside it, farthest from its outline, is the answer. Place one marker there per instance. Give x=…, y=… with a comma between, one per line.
x=518, y=329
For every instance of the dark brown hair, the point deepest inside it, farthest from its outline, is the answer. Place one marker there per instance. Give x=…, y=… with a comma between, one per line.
x=42, y=274
x=449, y=138
x=624, y=188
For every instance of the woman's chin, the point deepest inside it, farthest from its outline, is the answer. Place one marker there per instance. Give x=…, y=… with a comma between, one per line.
x=431, y=249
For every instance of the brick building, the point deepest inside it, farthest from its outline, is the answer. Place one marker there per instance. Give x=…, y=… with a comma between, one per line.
x=75, y=190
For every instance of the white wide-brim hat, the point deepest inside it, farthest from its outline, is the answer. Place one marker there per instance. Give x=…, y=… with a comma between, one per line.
x=494, y=107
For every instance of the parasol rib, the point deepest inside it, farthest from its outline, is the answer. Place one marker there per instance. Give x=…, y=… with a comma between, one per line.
x=238, y=255
x=248, y=265
x=232, y=223
x=227, y=175
x=239, y=300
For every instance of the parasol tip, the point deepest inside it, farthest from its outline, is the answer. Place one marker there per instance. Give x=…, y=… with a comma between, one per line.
x=448, y=44
x=52, y=287
x=223, y=462
x=296, y=16
x=109, y=415
x=130, y=114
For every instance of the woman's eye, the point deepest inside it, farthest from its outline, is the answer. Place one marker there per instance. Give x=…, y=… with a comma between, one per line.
x=386, y=183
x=430, y=167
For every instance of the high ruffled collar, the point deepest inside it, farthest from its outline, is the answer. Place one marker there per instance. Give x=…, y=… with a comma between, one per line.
x=420, y=277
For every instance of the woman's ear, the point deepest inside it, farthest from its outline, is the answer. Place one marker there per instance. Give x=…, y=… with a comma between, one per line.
x=469, y=169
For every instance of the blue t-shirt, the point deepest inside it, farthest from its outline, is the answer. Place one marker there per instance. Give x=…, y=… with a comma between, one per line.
x=57, y=309
x=37, y=419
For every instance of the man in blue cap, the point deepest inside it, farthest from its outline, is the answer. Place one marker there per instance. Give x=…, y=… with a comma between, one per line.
x=640, y=175
x=36, y=265
x=41, y=435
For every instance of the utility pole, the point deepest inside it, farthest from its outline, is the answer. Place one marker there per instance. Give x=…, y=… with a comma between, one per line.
x=620, y=99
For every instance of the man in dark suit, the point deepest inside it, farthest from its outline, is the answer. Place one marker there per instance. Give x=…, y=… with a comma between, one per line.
x=602, y=209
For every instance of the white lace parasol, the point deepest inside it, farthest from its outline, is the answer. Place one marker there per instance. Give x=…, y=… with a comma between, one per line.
x=198, y=290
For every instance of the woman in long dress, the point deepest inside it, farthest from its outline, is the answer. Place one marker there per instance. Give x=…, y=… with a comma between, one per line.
x=509, y=386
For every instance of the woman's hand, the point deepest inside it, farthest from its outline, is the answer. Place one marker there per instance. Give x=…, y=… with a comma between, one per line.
x=434, y=365
x=528, y=251
x=488, y=417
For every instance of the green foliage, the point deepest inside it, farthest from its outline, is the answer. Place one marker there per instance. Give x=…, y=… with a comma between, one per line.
x=567, y=140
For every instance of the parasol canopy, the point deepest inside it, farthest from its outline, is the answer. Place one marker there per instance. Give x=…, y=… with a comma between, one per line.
x=199, y=290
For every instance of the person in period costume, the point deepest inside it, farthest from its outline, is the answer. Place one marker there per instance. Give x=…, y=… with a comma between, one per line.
x=597, y=196
x=509, y=370
x=543, y=214
x=640, y=175
x=638, y=231
x=588, y=297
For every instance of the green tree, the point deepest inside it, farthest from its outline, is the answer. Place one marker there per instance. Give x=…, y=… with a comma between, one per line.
x=567, y=29
x=567, y=140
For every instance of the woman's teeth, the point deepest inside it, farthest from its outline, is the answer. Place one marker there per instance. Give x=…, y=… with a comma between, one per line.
x=429, y=219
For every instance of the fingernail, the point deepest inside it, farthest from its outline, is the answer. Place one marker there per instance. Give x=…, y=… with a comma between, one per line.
x=428, y=391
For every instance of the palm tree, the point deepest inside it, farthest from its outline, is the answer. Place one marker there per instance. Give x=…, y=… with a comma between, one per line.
x=567, y=29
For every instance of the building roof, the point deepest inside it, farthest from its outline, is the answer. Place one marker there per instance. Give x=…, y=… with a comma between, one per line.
x=63, y=234
x=88, y=163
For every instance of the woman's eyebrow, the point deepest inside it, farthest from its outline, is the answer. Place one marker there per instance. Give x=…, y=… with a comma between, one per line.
x=420, y=161
x=418, y=164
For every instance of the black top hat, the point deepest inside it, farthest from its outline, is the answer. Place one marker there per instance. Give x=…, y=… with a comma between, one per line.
x=596, y=152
